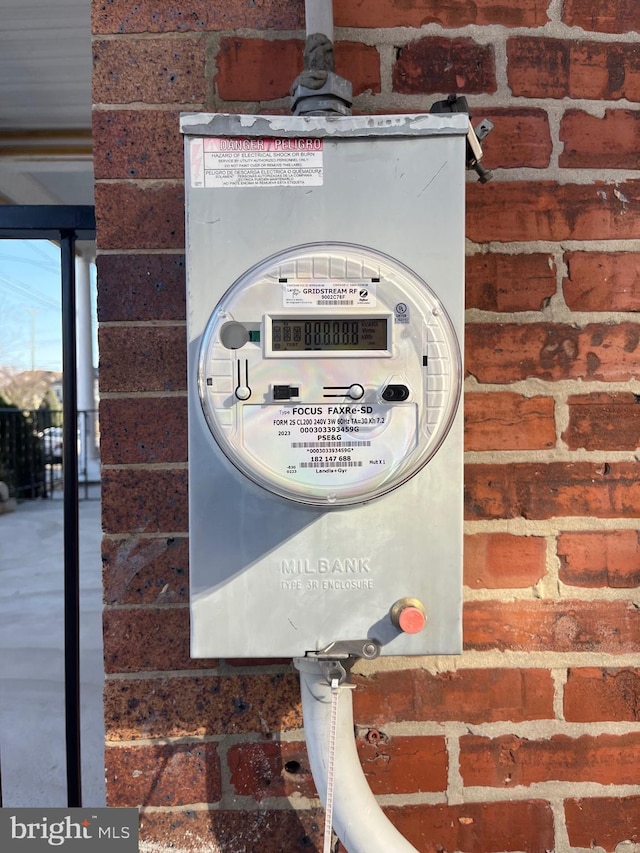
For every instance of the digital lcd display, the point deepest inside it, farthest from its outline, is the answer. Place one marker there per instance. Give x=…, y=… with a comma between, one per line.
x=297, y=334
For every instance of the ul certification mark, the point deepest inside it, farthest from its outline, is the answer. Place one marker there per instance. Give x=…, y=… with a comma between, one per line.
x=401, y=312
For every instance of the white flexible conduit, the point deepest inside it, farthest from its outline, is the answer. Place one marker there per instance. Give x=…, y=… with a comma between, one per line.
x=358, y=820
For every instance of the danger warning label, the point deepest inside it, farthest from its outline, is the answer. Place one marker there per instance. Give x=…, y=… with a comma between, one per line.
x=256, y=162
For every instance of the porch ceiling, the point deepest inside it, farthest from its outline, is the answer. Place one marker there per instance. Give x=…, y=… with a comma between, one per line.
x=45, y=102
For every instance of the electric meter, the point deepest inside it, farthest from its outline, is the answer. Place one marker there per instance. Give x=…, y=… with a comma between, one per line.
x=325, y=318
x=329, y=374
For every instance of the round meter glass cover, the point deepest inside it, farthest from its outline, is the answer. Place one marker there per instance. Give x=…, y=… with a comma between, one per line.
x=329, y=374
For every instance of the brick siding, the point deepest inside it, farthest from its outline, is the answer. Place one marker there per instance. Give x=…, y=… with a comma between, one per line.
x=531, y=740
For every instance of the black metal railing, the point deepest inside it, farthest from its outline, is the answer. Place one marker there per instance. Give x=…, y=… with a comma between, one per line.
x=32, y=455
x=65, y=224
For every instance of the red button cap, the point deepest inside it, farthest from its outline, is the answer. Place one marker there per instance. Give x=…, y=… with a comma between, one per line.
x=411, y=620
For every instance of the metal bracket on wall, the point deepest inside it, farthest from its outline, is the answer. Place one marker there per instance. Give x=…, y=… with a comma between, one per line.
x=458, y=104
x=337, y=658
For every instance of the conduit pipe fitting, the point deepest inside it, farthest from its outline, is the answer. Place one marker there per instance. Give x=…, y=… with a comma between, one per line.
x=318, y=90
x=358, y=820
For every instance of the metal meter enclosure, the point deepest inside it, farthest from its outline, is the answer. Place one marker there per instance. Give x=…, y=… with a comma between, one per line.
x=325, y=262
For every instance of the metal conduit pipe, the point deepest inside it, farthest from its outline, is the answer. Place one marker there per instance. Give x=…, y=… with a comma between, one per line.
x=318, y=90
x=358, y=820
x=319, y=17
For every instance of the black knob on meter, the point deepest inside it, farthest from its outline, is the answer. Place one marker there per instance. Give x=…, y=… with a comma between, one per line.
x=395, y=393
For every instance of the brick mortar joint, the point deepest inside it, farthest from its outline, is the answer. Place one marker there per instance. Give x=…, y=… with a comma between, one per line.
x=143, y=106
x=549, y=585
x=141, y=183
x=552, y=791
x=556, y=314
x=449, y=731
x=561, y=176
x=172, y=35
x=557, y=306
x=211, y=54
x=533, y=247
x=501, y=65
x=548, y=457
x=185, y=740
x=102, y=252
x=562, y=413
x=146, y=466
x=560, y=829
x=546, y=729
x=140, y=395
x=387, y=61
x=548, y=527
x=244, y=805
x=549, y=589
x=134, y=107
x=532, y=386
x=209, y=672
x=128, y=537
x=149, y=607
x=435, y=798
x=482, y=34
x=227, y=797
x=412, y=103
x=134, y=324
x=469, y=660
x=559, y=676
x=373, y=36
x=499, y=660
x=370, y=37
x=455, y=783
x=499, y=99
x=555, y=113
x=554, y=797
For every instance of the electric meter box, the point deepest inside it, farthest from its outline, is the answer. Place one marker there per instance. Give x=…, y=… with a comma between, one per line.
x=325, y=276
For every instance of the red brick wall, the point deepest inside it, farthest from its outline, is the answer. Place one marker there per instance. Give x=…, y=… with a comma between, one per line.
x=531, y=740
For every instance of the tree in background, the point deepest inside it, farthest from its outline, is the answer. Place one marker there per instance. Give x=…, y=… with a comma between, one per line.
x=28, y=389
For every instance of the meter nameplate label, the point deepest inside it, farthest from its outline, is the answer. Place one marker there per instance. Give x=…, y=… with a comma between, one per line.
x=329, y=445
x=219, y=162
x=320, y=294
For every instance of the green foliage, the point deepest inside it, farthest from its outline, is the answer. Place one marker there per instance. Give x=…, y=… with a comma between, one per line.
x=50, y=401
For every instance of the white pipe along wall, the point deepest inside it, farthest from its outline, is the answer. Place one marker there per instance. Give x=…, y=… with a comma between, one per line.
x=358, y=820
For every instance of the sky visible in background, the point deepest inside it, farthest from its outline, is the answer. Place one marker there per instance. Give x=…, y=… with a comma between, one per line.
x=30, y=305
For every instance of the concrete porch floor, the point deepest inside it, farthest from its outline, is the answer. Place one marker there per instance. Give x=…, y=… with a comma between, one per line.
x=32, y=750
